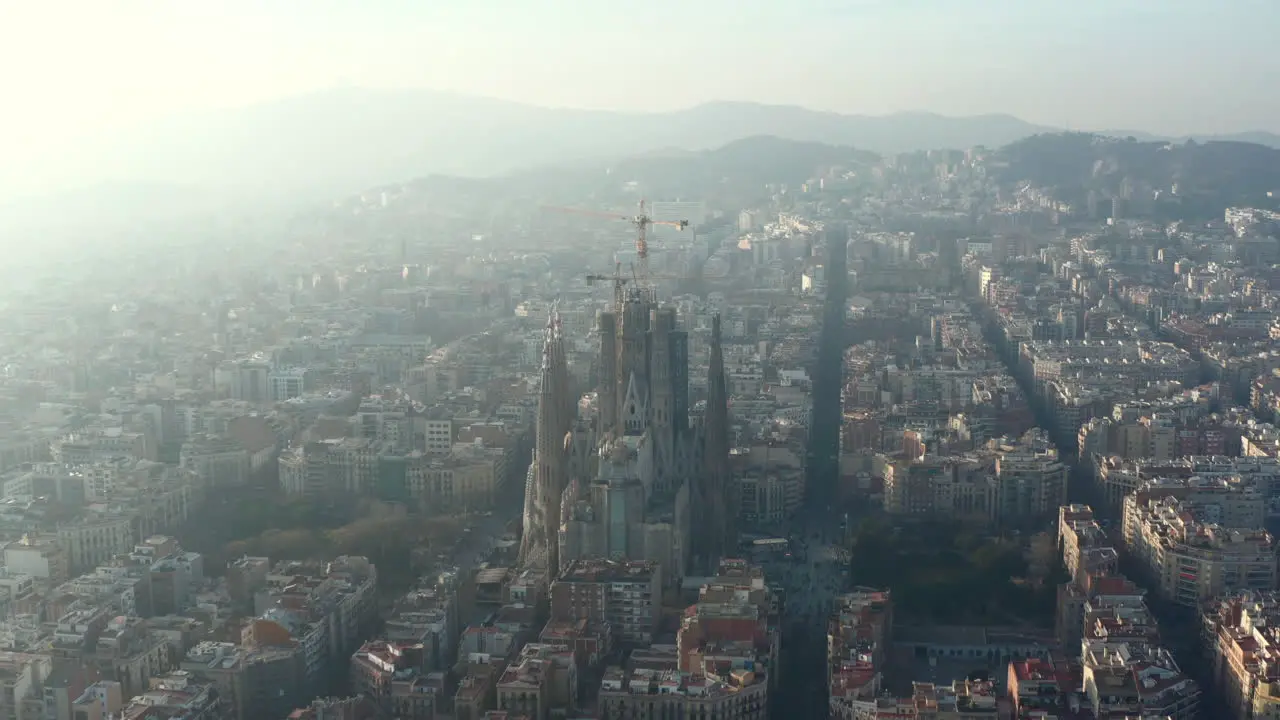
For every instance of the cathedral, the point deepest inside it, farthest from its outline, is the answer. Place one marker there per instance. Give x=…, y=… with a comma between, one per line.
x=624, y=474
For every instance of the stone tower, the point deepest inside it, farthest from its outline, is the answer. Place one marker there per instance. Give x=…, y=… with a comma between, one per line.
x=713, y=505
x=549, y=476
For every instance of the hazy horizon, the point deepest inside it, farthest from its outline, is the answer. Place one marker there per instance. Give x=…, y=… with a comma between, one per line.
x=79, y=73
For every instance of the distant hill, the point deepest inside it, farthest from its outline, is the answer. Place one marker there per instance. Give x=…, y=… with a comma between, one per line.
x=715, y=124
x=1258, y=137
x=328, y=144
x=736, y=173
x=343, y=141
x=1209, y=176
x=740, y=166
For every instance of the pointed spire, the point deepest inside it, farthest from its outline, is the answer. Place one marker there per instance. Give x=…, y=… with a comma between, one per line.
x=717, y=394
x=716, y=534
x=541, y=541
x=560, y=363
x=548, y=336
x=554, y=320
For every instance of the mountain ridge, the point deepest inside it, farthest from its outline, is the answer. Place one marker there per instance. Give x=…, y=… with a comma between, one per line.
x=325, y=145
x=344, y=139
x=1171, y=180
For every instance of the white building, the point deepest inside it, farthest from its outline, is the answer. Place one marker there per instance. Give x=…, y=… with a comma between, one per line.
x=244, y=380
x=219, y=462
x=96, y=540
x=286, y=383
x=1031, y=480
x=40, y=556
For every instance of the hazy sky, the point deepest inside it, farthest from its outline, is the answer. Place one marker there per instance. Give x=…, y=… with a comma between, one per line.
x=1168, y=66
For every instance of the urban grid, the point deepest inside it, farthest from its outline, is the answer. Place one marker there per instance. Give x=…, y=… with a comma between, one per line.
x=779, y=430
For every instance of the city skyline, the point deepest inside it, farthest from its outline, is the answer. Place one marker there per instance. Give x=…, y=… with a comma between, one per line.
x=866, y=440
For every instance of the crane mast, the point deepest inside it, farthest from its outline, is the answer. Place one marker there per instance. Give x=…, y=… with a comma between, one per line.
x=642, y=221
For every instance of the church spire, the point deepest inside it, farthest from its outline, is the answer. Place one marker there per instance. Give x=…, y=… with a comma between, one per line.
x=716, y=535
x=540, y=543
x=560, y=365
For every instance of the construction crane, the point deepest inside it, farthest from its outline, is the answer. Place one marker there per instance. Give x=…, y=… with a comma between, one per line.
x=642, y=221
x=620, y=282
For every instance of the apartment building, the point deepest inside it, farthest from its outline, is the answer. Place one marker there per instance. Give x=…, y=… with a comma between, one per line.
x=176, y=695
x=1036, y=685
x=1145, y=359
x=252, y=682
x=330, y=468
x=1117, y=619
x=322, y=609
x=1086, y=549
x=1031, y=480
x=244, y=379
x=1190, y=554
x=1118, y=478
x=128, y=652
x=220, y=462
x=1242, y=636
x=1229, y=501
x=958, y=700
x=286, y=383
x=465, y=479
x=1100, y=610
x=859, y=633
x=958, y=487
x=733, y=626
x=61, y=483
x=438, y=431
x=391, y=674
x=39, y=556
x=21, y=678
x=96, y=538
x=665, y=691
x=1132, y=681
x=625, y=595
x=542, y=680
x=100, y=443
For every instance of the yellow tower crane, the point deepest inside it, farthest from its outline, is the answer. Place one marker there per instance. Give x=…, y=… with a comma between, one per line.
x=642, y=221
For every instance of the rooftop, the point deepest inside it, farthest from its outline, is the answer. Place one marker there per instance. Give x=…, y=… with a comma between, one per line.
x=599, y=571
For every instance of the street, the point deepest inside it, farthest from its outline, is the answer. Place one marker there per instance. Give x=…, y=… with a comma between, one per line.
x=811, y=583
x=485, y=530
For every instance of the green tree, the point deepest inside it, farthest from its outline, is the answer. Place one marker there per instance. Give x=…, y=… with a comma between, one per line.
x=292, y=544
